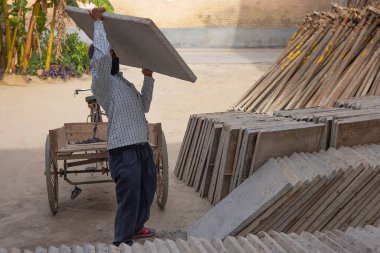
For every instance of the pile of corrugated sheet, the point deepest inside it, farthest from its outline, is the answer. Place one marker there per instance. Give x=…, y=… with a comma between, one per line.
x=328, y=190
x=357, y=240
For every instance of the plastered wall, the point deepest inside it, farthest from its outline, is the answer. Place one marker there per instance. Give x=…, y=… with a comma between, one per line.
x=221, y=13
x=224, y=23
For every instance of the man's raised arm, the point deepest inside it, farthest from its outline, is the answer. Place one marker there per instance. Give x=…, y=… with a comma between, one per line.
x=101, y=61
x=147, y=89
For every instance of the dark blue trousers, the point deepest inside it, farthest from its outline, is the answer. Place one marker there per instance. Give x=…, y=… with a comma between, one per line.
x=134, y=172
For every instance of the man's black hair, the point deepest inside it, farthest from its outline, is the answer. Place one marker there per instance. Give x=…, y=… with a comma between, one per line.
x=115, y=66
x=91, y=50
x=115, y=59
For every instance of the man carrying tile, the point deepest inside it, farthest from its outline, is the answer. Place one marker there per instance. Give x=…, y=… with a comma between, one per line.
x=130, y=155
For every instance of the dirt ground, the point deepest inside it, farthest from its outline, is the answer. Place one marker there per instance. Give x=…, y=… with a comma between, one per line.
x=29, y=108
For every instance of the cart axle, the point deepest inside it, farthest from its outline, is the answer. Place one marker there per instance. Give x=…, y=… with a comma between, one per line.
x=87, y=170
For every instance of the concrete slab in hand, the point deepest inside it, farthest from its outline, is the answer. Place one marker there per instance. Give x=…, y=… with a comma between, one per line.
x=137, y=42
x=245, y=203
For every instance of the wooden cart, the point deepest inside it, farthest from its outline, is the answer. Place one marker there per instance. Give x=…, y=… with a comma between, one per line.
x=83, y=144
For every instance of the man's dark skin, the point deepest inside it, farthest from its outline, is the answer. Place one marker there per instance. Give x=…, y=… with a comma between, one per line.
x=97, y=15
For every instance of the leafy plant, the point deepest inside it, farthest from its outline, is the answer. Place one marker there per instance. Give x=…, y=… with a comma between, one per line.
x=2, y=71
x=74, y=61
x=41, y=21
x=105, y=4
x=36, y=61
x=60, y=71
x=16, y=20
x=25, y=48
x=74, y=54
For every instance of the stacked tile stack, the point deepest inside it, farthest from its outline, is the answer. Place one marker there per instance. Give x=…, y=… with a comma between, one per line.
x=221, y=150
x=353, y=122
x=310, y=192
x=354, y=240
x=372, y=102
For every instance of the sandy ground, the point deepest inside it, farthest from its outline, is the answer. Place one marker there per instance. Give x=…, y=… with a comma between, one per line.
x=29, y=108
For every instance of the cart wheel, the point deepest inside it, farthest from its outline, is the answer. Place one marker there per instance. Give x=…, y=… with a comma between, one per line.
x=162, y=174
x=51, y=172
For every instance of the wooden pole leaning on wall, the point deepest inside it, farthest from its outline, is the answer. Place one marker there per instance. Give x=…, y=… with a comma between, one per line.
x=332, y=56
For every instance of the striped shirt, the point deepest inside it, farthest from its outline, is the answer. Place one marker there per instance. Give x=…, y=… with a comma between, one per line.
x=124, y=105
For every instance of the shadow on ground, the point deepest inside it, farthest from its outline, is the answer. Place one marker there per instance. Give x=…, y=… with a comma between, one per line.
x=26, y=221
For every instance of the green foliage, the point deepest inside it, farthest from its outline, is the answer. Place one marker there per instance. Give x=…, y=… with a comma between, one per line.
x=17, y=18
x=41, y=21
x=14, y=8
x=103, y=3
x=74, y=52
x=37, y=61
x=72, y=3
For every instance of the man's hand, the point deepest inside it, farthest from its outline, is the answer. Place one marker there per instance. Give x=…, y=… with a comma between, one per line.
x=97, y=13
x=147, y=72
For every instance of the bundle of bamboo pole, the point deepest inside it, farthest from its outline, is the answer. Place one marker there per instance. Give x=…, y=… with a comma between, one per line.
x=333, y=55
x=356, y=3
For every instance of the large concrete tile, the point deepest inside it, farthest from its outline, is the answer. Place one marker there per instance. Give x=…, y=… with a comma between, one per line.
x=245, y=203
x=138, y=43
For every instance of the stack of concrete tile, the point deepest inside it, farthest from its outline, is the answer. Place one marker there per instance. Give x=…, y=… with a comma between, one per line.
x=310, y=192
x=372, y=102
x=220, y=150
x=343, y=126
x=357, y=240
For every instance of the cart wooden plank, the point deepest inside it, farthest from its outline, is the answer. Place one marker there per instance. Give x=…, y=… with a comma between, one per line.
x=72, y=148
x=78, y=132
x=101, y=155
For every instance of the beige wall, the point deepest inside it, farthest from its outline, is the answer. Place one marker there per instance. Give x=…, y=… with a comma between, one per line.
x=221, y=13
x=223, y=23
